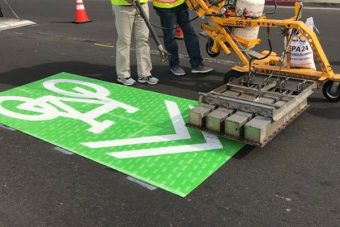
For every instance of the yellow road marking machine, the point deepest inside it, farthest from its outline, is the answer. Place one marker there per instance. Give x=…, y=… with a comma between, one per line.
x=265, y=93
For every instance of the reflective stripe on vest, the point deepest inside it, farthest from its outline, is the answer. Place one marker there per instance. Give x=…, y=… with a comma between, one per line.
x=167, y=4
x=124, y=2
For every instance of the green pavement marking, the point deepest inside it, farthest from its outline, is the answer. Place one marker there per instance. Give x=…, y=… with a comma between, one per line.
x=137, y=132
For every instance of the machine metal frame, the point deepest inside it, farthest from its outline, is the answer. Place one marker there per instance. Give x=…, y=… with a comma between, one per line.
x=263, y=95
x=225, y=40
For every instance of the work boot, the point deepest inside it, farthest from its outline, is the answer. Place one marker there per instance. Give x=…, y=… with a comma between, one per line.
x=201, y=69
x=177, y=71
x=148, y=79
x=126, y=81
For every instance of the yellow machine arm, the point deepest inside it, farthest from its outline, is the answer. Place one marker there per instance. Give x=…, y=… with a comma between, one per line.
x=222, y=20
x=263, y=94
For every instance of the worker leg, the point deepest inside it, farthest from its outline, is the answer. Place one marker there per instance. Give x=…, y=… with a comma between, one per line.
x=124, y=19
x=190, y=38
x=144, y=65
x=168, y=22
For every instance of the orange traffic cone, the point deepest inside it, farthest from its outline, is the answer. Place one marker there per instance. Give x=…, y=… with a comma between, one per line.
x=81, y=15
x=179, y=32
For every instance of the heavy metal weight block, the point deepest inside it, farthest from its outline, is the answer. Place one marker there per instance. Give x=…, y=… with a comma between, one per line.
x=215, y=119
x=197, y=114
x=234, y=125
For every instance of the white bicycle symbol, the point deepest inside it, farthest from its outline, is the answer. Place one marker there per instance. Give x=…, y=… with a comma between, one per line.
x=50, y=107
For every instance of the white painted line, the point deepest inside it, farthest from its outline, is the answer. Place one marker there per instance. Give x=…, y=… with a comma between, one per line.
x=61, y=150
x=6, y=127
x=321, y=8
x=307, y=7
x=181, y=132
x=211, y=143
x=141, y=183
x=6, y=24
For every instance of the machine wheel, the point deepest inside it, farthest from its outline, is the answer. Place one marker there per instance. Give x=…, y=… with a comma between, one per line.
x=208, y=47
x=331, y=94
x=232, y=74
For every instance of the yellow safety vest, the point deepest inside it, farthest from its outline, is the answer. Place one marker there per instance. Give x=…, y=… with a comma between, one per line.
x=167, y=4
x=124, y=2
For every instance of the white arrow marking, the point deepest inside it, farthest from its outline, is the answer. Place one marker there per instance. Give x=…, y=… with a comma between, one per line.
x=212, y=142
x=176, y=119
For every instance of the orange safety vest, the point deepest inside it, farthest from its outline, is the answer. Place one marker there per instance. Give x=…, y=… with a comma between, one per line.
x=167, y=4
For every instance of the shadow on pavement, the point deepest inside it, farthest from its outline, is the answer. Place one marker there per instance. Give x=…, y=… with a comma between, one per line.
x=186, y=86
x=334, y=62
x=327, y=113
x=317, y=100
x=244, y=152
x=23, y=76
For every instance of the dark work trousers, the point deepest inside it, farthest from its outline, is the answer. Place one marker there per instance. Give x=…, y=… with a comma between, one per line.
x=169, y=19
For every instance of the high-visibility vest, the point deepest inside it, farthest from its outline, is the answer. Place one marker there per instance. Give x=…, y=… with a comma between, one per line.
x=124, y=2
x=167, y=4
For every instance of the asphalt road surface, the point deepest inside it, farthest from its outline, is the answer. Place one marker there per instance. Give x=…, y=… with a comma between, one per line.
x=293, y=181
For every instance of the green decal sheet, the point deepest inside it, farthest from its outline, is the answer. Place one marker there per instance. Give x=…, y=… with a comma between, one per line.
x=137, y=132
